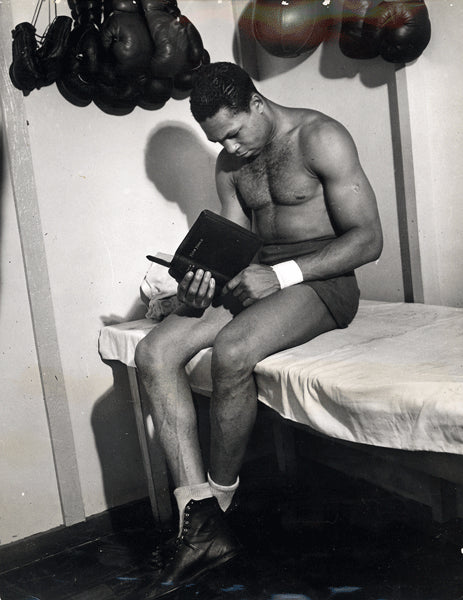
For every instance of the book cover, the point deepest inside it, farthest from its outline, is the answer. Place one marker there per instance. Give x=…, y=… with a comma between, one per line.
x=214, y=244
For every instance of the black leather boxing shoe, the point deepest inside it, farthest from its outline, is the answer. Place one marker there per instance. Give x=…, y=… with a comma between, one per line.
x=163, y=551
x=206, y=542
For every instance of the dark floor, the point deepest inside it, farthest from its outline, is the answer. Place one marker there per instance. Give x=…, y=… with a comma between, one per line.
x=348, y=541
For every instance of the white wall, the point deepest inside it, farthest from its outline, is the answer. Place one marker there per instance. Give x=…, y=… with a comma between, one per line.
x=28, y=484
x=112, y=189
x=435, y=84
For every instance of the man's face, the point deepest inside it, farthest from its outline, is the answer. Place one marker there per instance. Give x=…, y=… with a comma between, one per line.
x=243, y=134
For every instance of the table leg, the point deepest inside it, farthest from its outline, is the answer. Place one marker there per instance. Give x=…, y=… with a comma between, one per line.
x=152, y=455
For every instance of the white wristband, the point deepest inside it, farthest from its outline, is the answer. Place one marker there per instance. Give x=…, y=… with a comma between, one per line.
x=288, y=273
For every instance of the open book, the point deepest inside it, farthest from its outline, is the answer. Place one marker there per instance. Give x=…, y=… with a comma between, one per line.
x=214, y=244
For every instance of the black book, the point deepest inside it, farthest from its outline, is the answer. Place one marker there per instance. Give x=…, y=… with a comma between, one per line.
x=213, y=244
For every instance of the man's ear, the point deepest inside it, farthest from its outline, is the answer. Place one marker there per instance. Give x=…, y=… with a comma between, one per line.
x=257, y=102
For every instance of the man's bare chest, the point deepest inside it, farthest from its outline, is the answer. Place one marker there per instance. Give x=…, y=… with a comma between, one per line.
x=276, y=178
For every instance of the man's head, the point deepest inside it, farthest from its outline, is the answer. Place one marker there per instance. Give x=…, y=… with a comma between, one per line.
x=230, y=110
x=220, y=85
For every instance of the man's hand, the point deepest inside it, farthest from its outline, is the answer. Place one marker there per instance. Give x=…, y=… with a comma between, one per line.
x=196, y=289
x=253, y=283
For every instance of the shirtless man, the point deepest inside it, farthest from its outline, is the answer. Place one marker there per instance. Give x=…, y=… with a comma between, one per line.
x=293, y=175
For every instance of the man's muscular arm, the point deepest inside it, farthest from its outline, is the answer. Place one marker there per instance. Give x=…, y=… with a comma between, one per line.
x=332, y=156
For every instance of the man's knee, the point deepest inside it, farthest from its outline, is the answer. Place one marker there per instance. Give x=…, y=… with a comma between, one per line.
x=148, y=356
x=156, y=352
x=232, y=355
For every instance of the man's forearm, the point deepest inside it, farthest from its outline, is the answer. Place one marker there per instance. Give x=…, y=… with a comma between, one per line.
x=344, y=254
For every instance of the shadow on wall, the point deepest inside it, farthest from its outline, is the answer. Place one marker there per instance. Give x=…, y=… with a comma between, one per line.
x=116, y=439
x=182, y=168
x=332, y=63
x=115, y=432
x=373, y=72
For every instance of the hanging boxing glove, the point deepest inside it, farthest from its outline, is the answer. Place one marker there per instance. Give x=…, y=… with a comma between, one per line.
x=168, y=6
x=177, y=44
x=84, y=54
x=52, y=51
x=119, y=99
x=82, y=65
x=114, y=94
x=196, y=56
x=154, y=93
x=405, y=30
x=184, y=81
x=195, y=53
x=126, y=38
x=397, y=30
x=170, y=44
x=25, y=71
x=360, y=33
x=87, y=12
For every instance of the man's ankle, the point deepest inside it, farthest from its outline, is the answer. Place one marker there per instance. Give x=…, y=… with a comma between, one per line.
x=186, y=493
x=223, y=493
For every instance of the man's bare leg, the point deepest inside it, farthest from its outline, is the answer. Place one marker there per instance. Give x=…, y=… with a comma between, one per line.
x=161, y=358
x=283, y=320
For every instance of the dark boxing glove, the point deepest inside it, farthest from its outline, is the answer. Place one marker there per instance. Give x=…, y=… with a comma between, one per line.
x=52, y=52
x=86, y=12
x=195, y=53
x=25, y=71
x=398, y=30
x=184, y=81
x=405, y=30
x=82, y=65
x=154, y=93
x=167, y=6
x=84, y=55
x=360, y=33
x=126, y=38
x=114, y=94
x=170, y=44
x=177, y=44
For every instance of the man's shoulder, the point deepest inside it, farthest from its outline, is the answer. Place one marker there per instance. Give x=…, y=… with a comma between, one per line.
x=314, y=124
x=319, y=132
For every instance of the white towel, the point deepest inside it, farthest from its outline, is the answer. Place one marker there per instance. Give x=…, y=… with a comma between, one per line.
x=158, y=290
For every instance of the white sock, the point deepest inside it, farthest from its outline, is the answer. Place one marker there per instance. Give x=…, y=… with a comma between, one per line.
x=223, y=493
x=190, y=492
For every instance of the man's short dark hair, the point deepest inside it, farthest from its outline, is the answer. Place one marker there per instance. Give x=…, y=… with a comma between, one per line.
x=220, y=85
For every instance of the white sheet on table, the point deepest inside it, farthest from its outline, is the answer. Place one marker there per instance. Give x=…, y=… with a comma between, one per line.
x=393, y=378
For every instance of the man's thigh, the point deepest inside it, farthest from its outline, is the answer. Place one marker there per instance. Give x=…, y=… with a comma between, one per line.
x=187, y=331
x=282, y=320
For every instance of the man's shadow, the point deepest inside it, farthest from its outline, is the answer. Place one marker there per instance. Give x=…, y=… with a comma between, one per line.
x=182, y=167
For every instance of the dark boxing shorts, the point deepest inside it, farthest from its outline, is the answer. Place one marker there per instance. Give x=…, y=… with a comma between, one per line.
x=340, y=294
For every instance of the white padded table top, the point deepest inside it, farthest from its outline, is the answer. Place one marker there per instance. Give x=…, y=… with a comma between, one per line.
x=393, y=378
